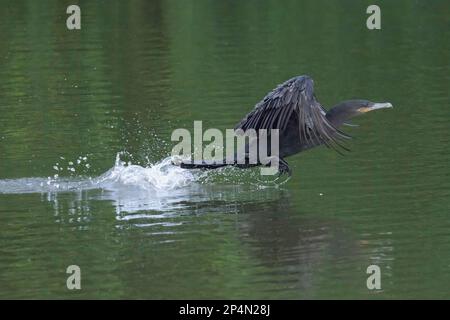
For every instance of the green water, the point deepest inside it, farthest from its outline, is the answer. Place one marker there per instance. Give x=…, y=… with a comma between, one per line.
x=137, y=70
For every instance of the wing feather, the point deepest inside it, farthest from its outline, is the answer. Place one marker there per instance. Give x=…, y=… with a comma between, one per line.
x=295, y=96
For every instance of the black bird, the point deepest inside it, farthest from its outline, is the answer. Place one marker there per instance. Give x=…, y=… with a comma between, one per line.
x=303, y=123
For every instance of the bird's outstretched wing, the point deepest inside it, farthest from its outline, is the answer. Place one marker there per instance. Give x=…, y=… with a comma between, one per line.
x=295, y=96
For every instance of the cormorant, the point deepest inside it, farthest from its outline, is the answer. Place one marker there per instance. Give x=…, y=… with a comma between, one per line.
x=303, y=123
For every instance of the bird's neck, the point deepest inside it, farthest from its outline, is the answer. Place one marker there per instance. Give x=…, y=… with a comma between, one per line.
x=340, y=113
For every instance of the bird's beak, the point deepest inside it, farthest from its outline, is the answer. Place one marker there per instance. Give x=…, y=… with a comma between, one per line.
x=376, y=106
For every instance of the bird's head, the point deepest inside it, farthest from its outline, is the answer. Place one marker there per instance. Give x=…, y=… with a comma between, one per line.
x=352, y=108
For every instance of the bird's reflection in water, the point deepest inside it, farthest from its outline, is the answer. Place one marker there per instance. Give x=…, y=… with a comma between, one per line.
x=292, y=245
x=285, y=245
x=279, y=246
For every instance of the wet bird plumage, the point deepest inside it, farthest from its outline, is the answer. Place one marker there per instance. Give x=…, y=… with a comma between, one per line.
x=293, y=109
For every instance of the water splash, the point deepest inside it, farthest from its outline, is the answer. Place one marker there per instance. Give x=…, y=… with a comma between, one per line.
x=160, y=176
x=144, y=193
x=158, y=190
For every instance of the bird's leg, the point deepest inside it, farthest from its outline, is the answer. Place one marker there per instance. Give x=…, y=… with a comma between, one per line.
x=283, y=167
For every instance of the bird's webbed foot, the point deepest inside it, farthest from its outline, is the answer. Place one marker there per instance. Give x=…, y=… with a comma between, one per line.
x=282, y=166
